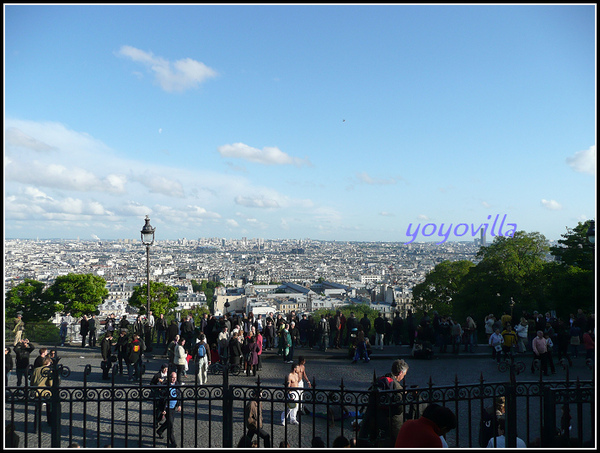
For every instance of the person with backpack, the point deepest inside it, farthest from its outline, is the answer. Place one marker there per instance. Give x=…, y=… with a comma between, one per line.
x=136, y=347
x=202, y=359
x=384, y=418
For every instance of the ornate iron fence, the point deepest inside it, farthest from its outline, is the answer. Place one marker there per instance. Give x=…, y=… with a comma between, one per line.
x=212, y=416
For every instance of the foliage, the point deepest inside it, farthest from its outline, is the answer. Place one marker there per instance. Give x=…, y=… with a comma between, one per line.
x=197, y=312
x=29, y=299
x=511, y=268
x=43, y=332
x=575, y=249
x=80, y=294
x=440, y=287
x=208, y=288
x=163, y=298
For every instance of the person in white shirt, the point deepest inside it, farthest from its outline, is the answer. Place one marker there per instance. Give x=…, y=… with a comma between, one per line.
x=496, y=341
x=500, y=440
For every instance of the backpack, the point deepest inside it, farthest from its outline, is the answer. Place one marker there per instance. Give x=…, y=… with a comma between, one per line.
x=201, y=350
x=385, y=383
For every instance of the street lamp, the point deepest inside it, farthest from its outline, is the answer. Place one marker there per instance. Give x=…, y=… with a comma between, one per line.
x=591, y=232
x=148, y=240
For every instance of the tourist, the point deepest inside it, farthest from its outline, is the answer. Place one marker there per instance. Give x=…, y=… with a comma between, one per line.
x=500, y=440
x=122, y=349
x=170, y=405
x=106, y=350
x=8, y=364
x=84, y=328
x=470, y=334
x=235, y=349
x=490, y=320
x=428, y=430
x=64, y=326
x=42, y=377
x=510, y=341
x=180, y=359
x=386, y=419
x=161, y=330
x=253, y=419
x=495, y=341
x=291, y=382
x=302, y=378
x=489, y=420
x=521, y=330
x=252, y=362
x=39, y=360
x=23, y=351
x=159, y=378
x=539, y=347
x=92, y=330
x=589, y=345
x=379, y=325
x=202, y=359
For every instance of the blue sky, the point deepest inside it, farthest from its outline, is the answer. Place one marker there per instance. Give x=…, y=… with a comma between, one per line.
x=345, y=122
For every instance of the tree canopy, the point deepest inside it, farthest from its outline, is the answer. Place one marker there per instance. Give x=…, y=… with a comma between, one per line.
x=440, y=287
x=163, y=298
x=79, y=294
x=29, y=299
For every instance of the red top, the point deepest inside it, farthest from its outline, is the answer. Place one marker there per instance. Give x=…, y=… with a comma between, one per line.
x=420, y=433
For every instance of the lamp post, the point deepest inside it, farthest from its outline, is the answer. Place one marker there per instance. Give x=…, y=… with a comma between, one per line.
x=148, y=240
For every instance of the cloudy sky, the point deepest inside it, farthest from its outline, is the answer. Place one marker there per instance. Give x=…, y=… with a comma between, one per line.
x=325, y=122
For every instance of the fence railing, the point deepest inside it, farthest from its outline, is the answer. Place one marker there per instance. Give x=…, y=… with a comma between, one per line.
x=212, y=416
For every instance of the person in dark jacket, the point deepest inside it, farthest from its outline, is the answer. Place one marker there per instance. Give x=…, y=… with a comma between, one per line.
x=252, y=356
x=124, y=323
x=8, y=364
x=235, y=349
x=84, y=329
x=92, y=328
x=134, y=357
x=172, y=331
x=106, y=349
x=122, y=349
x=161, y=329
x=23, y=352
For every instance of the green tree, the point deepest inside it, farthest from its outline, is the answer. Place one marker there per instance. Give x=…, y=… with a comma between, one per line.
x=80, y=294
x=575, y=249
x=163, y=298
x=440, y=287
x=510, y=267
x=29, y=299
x=570, y=280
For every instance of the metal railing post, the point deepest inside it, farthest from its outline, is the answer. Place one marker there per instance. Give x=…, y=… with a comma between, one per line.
x=227, y=410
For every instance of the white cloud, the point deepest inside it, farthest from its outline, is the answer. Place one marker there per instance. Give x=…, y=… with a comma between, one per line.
x=197, y=211
x=258, y=202
x=584, y=161
x=386, y=214
x=232, y=223
x=266, y=156
x=423, y=217
x=367, y=179
x=179, y=75
x=160, y=184
x=16, y=137
x=551, y=204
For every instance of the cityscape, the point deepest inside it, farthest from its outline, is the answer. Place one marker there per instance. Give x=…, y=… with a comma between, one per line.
x=258, y=275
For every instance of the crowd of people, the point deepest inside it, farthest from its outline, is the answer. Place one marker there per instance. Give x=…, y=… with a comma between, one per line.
x=240, y=340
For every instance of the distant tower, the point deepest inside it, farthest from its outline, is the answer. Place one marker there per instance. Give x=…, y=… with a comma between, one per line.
x=482, y=230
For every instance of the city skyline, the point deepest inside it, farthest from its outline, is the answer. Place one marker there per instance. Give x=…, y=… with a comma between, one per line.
x=329, y=122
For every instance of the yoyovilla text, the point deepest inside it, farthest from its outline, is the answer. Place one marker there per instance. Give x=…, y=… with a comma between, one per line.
x=460, y=229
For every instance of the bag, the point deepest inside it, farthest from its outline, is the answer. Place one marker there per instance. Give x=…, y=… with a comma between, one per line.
x=498, y=347
x=201, y=350
x=385, y=383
